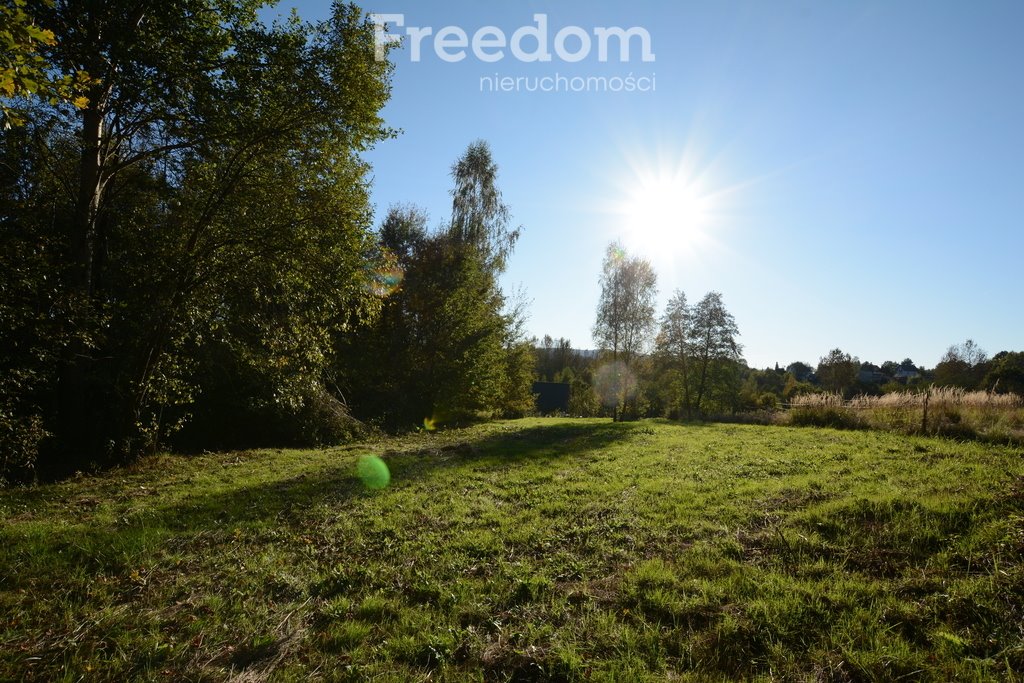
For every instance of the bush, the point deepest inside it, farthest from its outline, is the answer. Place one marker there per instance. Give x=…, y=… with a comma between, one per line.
x=245, y=414
x=19, y=447
x=583, y=400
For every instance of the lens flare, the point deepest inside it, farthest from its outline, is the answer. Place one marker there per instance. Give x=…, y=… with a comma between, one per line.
x=373, y=472
x=614, y=382
x=385, y=281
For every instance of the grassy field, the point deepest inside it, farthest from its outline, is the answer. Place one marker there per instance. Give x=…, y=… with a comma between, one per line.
x=529, y=550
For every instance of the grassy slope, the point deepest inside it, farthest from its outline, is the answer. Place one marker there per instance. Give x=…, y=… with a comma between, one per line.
x=536, y=549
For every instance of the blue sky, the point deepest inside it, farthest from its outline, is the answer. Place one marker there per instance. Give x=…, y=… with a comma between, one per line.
x=846, y=174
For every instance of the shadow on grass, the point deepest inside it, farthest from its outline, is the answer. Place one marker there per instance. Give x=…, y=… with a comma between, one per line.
x=118, y=547
x=709, y=421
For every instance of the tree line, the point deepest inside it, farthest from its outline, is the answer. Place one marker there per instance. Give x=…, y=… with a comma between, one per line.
x=687, y=362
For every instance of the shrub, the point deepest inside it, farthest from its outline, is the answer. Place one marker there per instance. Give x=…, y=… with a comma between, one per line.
x=19, y=447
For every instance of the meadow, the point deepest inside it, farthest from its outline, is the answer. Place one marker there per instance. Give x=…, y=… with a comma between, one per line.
x=538, y=549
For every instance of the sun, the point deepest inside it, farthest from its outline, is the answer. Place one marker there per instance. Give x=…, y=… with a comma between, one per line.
x=664, y=213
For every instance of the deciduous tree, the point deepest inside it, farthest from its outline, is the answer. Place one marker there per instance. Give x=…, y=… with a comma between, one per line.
x=625, y=311
x=675, y=343
x=963, y=365
x=838, y=371
x=715, y=349
x=480, y=219
x=452, y=348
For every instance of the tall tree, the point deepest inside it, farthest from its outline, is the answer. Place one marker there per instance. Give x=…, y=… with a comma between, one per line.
x=480, y=219
x=963, y=365
x=403, y=229
x=715, y=349
x=625, y=311
x=838, y=371
x=1006, y=373
x=452, y=349
x=675, y=342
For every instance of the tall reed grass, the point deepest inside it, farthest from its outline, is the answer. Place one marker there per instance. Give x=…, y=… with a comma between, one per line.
x=945, y=411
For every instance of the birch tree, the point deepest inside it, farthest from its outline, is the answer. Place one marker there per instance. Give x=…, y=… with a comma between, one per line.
x=625, y=311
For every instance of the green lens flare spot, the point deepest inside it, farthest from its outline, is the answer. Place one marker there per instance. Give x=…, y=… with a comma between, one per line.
x=373, y=472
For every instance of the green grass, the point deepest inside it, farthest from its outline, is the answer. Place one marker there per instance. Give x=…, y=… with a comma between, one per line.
x=529, y=550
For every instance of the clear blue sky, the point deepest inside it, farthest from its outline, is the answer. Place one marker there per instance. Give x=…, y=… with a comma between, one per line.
x=846, y=174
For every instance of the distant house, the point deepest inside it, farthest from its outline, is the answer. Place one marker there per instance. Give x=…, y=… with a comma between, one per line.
x=904, y=374
x=552, y=397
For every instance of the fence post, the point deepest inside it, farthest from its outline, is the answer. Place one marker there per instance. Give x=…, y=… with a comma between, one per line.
x=924, y=413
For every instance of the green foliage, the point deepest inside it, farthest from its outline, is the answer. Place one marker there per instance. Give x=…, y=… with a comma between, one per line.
x=583, y=401
x=446, y=340
x=30, y=337
x=20, y=434
x=698, y=358
x=625, y=320
x=674, y=351
x=838, y=371
x=1006, y=373
x=761, y=390
x=213, y=213
x=453, y=352
x=517, y=377
x=963, y=365
x=625, y=312
x=480, y=219
x=557, y=361
x=403, y=230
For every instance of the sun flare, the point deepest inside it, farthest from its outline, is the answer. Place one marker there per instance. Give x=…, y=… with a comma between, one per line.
x=664, y=213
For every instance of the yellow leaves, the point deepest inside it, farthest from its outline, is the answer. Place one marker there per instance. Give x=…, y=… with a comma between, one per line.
x=46, y=37
x=138, y=578
x=24, y=69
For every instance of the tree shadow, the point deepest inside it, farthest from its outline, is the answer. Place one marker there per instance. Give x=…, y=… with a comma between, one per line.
x=115, y=548
x=337, y=483
x=685, y=422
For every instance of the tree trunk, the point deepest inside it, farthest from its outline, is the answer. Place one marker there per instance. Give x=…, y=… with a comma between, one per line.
x=686, y=386
x=703, y=381
x=78, y=436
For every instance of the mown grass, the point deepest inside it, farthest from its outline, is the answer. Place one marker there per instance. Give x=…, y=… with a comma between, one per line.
x=529, y=550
